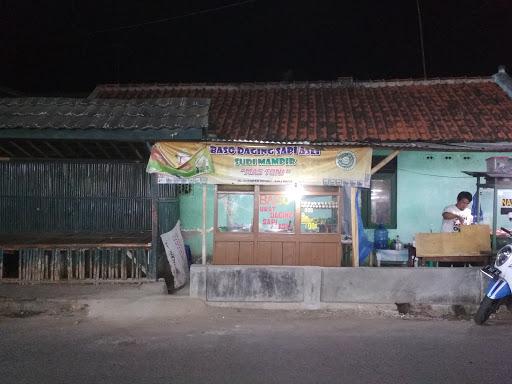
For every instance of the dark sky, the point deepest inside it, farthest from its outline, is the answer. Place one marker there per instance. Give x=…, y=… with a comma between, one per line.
x=56, y=47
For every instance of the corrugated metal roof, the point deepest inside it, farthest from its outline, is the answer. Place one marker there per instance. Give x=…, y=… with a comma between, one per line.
x=160, y=117
x=401, y=111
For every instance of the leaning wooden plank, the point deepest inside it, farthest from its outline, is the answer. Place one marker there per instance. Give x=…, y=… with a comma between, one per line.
x=33, y=256
x=30, y=264
x=119, y=254
x=33, y=265
x=104, y=258
x=134, y=268
x=69, y=261
x=46, y=266
x=38, y=264
x=138, y=263
x=40, y=255
x=82, y=264
x=116, y=264
x=88, y=264
x=26, y=264
x=123, y=264
x=20, y=265
x=96, y=266
x=56, y=265
x=51, y=266
x=78, y=263
x=111, y=263
x=142, y=263
x=131, y=253
x=28, y=269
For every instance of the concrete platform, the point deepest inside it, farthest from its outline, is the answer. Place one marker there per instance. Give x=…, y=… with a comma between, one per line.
x=426, y=290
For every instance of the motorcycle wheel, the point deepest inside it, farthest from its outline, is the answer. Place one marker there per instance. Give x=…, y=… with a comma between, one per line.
x=487, y=307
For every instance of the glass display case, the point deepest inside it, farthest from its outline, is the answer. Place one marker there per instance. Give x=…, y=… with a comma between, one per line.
x=319, y=214
x=277, y=225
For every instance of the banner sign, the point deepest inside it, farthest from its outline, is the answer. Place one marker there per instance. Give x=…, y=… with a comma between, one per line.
x=227, y=163
x=505, y=201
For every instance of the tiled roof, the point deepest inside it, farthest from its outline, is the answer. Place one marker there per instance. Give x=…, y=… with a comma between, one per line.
x=441, y=111
x=165, y=116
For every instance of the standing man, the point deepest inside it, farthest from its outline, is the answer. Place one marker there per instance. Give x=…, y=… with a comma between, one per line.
x=459, y=214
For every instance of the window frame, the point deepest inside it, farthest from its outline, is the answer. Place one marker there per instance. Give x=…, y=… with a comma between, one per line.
x=229, y=191
x=336, y=201
x=257, y=190
x=388, y=172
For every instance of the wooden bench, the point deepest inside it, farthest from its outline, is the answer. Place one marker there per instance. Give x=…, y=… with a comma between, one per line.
x=75, y=256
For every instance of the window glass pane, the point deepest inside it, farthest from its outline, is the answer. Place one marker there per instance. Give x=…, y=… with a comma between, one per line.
x=381, y=201
x=277, y=213
x=235, y=212
x=319, y=214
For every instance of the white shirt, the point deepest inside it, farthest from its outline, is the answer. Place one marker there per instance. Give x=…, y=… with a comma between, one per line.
x=453, y=225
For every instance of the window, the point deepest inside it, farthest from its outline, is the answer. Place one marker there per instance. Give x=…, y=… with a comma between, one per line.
x=319, y=214
x=235, y=212
x=276, y=213
x=277, y=209
x=378, y=204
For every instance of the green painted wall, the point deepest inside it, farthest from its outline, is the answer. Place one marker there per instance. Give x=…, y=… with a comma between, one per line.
x=191, y=209
x=429, y=181
x=426, y=183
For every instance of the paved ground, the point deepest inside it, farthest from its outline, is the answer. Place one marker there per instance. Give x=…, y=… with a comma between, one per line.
x=193, y=343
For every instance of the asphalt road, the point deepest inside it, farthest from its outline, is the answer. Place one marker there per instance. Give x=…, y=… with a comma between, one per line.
x=221, y=345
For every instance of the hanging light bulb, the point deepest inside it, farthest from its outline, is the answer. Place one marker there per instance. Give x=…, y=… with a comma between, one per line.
x=294, y=191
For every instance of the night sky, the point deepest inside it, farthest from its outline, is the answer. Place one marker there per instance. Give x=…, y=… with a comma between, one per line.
x=67, y=47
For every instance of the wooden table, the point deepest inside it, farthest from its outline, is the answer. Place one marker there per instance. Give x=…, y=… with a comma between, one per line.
x=468, y=259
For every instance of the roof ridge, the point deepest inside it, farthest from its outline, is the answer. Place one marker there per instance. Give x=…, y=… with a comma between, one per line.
x=299, y=84
x=61, y=101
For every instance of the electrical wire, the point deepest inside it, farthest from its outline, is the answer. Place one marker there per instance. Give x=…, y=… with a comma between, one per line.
x=167, y=19
x=428, y=174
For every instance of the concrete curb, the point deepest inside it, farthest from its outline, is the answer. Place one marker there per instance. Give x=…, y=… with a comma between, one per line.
x=25, y=300
x=429, y=292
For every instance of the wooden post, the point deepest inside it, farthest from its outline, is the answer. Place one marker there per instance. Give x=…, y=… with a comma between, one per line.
x=355, y=234
x=386, y=160
x=154, y=228
x=203, y=232
x=1, y=263
x=494, y=217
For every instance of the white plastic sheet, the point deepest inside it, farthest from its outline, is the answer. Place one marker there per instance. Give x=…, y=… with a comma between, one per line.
x=176, y=255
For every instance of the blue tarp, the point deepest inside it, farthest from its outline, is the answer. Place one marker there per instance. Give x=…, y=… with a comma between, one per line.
x=365, y=245
x=477, y=217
